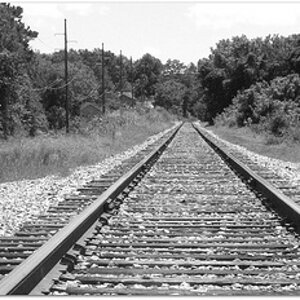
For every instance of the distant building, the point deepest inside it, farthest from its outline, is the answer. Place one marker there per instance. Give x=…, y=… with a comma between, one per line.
x=89, y=110
x=126, y=99
x=148, y=104
x=111, y=96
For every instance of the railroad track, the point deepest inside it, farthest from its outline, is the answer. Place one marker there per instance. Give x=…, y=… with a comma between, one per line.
x=278, y=180
x=184, y=224
x=34, y=234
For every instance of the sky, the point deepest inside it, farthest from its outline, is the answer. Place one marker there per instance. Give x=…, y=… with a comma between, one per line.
x=184, y=30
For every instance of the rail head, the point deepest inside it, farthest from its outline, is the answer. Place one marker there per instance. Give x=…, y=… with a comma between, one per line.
x=287, y=208
x=22, y=279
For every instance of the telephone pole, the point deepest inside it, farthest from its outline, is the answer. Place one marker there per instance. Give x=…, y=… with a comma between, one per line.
x=67, y=104
x=144, y=83
x=103, y=84
x=131, y=70
x=121, y=73
x=66, y=79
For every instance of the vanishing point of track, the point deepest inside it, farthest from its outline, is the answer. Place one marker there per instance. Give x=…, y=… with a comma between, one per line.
x=192, y=221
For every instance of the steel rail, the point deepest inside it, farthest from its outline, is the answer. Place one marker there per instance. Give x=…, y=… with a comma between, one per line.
x=32, y=270
x=286, y=207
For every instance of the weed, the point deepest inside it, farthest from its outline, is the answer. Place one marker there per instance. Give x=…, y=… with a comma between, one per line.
x=89, y=143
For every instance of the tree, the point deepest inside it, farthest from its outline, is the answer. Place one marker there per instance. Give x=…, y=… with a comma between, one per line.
x=83, y=86
x=14, y=58
x=295, y=57
x=27, y=113
x=236, y=64
x=93, y=59
x=147, y=71
x=169, y=94
x=173, y=67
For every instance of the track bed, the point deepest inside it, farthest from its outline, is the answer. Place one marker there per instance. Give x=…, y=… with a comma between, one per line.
x=190, y=227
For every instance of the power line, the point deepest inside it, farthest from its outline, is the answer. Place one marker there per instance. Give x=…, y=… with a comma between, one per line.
x=50, y=47
x=56, y=88
x=47, y=87
x=63, y=86
x=92, y=91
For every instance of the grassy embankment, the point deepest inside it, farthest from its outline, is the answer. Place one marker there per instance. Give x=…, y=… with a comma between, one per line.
x=259, y=143
x=29, y=158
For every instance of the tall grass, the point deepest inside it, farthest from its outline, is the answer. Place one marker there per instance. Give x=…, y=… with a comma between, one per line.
x=270, y=146
x=89, y=143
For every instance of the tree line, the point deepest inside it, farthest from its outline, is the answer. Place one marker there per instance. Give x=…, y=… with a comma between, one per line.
x=242, y=82
x=236, y=65
x=32, y=86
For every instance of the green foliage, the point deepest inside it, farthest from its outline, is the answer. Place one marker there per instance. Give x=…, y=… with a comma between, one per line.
x=26, y=158
x=146, y=75
x=15, y=36
x=251, y=81
x=272, y=108
x=169, y=94
x=236, y=64
x=32, y=85
x=177, y=88
x=93, y=59
x=173, y=67
x=82, y=87
x=27, y=113
x=14, y=58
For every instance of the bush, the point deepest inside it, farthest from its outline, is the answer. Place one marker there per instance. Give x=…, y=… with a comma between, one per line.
x=274, y=108
x=228, y=118
x=88, y=143
x=294, y=133
x=273, y=140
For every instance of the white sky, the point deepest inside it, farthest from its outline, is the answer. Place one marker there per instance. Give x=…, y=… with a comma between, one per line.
x=176, y=30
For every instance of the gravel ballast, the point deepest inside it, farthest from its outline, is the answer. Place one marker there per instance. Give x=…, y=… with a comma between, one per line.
x=23, y=200
x=287, y=170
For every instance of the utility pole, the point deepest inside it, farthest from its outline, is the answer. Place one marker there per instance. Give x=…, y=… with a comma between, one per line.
x=131, y=71
x=67, y=105
x=121, y=73
x=144, y=83
x=103, y=84
x=66, y=79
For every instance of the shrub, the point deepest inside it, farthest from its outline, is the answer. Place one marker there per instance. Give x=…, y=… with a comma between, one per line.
x=278, y=124
x=88, y=143
x=274, y=107
x=294, y=133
